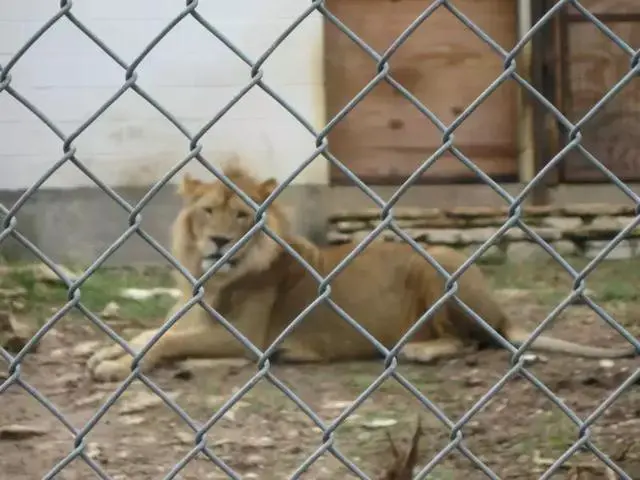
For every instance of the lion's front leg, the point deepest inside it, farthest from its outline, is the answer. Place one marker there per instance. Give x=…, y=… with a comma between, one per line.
x=194, y=335
x=115, y=351
x=205, y=341
x=197, y=335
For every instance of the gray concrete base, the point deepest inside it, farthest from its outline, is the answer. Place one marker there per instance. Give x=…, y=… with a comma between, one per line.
x=77, y=226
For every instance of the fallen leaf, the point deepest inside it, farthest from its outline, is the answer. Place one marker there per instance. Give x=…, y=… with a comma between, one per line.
x=18, y=306
x=90, y=400
x=140, y=402
x=187, y=438
x=215, y=401
x=222, y=441
x=93, y=450
x=68, y=380
x=85, y=349
x=336, y=405
x=132, y=419
x=513, y=294
x=14, y=335
x=146, y=293
x=58, y=354
x=606, y=363
x=380, y=423
x=20, y=432
x=110, y=310
x=253, y=460
x=473, y=382
x=11, y=293
x=261, y=442
x=43, y=273
x=352, y=418
x=144, y=400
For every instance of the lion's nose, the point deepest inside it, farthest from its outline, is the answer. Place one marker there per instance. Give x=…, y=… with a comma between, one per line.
x=219, y=241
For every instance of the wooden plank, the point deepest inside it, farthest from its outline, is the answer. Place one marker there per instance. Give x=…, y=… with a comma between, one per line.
x=545, y=78
x=600, y=7
x=596, y=64
x=445, y=65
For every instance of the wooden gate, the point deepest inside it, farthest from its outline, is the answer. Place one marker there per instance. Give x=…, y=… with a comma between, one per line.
x=590, y=65
x=384, y=139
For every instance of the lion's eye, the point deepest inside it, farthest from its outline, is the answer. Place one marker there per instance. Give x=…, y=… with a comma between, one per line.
x=208, y=210
x=242, y=214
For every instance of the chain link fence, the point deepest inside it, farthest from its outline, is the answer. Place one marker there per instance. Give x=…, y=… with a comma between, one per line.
x=11, y=228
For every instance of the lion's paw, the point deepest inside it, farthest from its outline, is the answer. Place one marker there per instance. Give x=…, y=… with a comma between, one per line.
x=416, y=353
x=106, y=353
x=111, y=370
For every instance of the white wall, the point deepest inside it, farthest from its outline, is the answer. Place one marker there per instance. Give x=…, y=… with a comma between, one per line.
x=190, y=73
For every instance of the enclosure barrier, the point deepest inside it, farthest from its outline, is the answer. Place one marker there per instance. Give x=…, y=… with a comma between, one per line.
x=10, y=227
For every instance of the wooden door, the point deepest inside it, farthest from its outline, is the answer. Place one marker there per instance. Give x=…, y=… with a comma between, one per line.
x=446, y=66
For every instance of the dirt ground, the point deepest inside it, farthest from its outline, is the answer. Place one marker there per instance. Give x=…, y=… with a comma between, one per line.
x=518, y=434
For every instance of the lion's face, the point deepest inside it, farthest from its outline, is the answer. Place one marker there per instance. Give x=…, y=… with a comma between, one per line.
x=217, y=218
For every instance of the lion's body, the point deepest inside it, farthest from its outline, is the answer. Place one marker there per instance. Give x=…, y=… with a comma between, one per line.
x=385, y=289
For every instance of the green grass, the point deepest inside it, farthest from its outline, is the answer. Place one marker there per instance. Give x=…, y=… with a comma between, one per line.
x=443, y=473
x=611, y=281
x=104, y=286
x=551, y=432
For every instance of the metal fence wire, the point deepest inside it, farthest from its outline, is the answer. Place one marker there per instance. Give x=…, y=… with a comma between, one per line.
x=10, y=228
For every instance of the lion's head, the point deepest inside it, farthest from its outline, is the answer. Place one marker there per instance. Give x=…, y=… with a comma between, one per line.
x=213, y=218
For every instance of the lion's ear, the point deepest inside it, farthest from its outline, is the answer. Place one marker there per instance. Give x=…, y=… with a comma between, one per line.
x=189, y=188
x=267, y=187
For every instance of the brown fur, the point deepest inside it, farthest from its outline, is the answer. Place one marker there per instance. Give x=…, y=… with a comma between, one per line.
x=385, y=289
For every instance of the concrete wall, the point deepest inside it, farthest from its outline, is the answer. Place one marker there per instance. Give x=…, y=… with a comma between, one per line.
x=129, y=147
x=190, y=73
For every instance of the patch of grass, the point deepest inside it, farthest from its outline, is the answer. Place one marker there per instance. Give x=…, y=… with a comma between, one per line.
x=611, y=280
x=443, y=473
x=360, y=381
x=551, y=432
x=618, y=289
x=266, y=397
x=104, y=286
x=423, y=377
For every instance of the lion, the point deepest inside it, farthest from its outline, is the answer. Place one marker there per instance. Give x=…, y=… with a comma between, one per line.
x=263, y=288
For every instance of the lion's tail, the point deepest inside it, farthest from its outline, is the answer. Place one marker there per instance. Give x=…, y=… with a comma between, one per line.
x=544, y=343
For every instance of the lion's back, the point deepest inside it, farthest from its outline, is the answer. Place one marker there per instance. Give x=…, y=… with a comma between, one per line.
x=376, y=289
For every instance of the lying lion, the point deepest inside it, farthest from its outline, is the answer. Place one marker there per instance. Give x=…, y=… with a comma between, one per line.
x=262, y=289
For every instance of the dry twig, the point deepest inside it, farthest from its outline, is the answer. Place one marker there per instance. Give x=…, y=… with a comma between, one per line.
x=403, y=465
